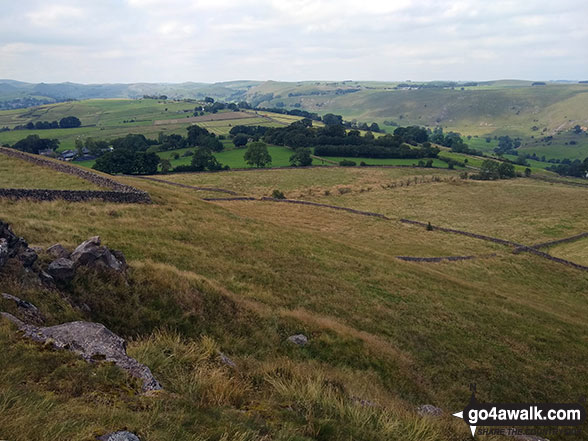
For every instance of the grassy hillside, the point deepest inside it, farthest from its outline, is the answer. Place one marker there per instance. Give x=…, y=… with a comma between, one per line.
x=241, y=277
x=16, y=173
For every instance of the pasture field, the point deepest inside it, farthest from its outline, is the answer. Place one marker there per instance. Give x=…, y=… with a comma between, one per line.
x=112, y=118
x=16, y=173
x=240, y=277
x=575, y=251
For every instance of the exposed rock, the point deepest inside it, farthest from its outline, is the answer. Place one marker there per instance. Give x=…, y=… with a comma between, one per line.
x=58, y=251
x=90, y=253
x=298, y=339
x=28, y=257
x=429, y=410
x=123, y=435
x=3, y=251
x=13, y=246
x=226, y=360
x=93, y=342
x=37, y=249
x=29, y=311
x=62, y=270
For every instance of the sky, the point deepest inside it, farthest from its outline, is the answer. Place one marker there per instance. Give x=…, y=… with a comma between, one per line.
x=124, y=41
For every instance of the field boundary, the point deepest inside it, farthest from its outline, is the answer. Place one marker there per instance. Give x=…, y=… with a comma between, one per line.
x=518, y=247
x=559, y=181
x=443, y=258
x=119, y=192
x=177, y=184
x=556, y=242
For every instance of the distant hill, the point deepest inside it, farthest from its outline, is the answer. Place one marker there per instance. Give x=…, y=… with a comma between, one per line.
x=531, y=110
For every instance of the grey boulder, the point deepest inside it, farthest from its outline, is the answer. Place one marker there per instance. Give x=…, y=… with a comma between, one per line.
x=3, y=251
x=122, y=435
x=93, y=342
x=58, y=251
x=62, y=270
x=91, y=253
x=298, y=339
x=429, y=410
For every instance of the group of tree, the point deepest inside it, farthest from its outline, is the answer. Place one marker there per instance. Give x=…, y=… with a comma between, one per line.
x=35, y=144
x=334, y=140
x=507, y=145
x=199, y=136
x=453, y=140
x=574, y=168
x=129, y=156
x=65, y=123
x=491, y=170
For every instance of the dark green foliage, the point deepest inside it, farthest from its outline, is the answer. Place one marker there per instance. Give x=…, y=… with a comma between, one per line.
x=527, y=172
x=35, y=144
x=574, y=168
x=492, y=170
x=127, y=161
x=332, y=120
x=507, y=145
x=240, y=140
x=277, y=194
x=199, y=136
x=132, y=142
x=347, y=163
x=251, y=131
x=412, y=134
x=301, y=158
x=171, y=142
x=257, y=155
x=203, y=159
x=69, y=122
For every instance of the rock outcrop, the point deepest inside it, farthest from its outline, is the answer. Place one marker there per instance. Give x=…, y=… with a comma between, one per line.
x=62, y=270
x=298, y=339
x=429, y=410
x=26, y=310
x=93, y=342
x=58, y=251
x=122, y=435
x=91, y=253
x=12, y=246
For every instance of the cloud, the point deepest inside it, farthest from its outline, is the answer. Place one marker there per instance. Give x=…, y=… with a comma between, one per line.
x=203, y=40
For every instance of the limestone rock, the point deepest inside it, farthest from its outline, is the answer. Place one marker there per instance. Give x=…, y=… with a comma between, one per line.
x=429, y=410
x=58, y=251
x=298, y=339
x=91, y=253
x=27, y=310
x=122, y=435
x=62, y=270
x=27, y=256
x=93, y=342
x=3, y=251
x=226, y=360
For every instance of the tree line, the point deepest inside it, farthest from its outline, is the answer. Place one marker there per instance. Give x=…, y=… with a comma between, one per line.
x=68, y=122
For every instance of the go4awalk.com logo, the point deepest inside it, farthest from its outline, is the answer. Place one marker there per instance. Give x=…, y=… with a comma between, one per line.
x=477, y=414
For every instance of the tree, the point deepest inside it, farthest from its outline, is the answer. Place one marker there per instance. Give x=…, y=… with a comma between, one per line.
x=332, y=120
x=527, y=172
x=489, y=170
x=165, y=165
x=301, y=158
x=69, y=122
x=257, y=155
x=240, y=140
x=208, y=100
x=203, y=159
x=506, y=170
x=35, y=144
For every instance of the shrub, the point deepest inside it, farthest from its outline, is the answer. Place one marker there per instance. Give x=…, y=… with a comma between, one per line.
x=277, y=194
x=347, y=163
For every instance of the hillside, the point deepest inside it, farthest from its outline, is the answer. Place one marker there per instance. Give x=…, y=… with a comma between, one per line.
x=240, y=277
x=541, y=115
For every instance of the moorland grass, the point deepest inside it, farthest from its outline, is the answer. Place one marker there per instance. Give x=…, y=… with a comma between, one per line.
x=242, y=277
